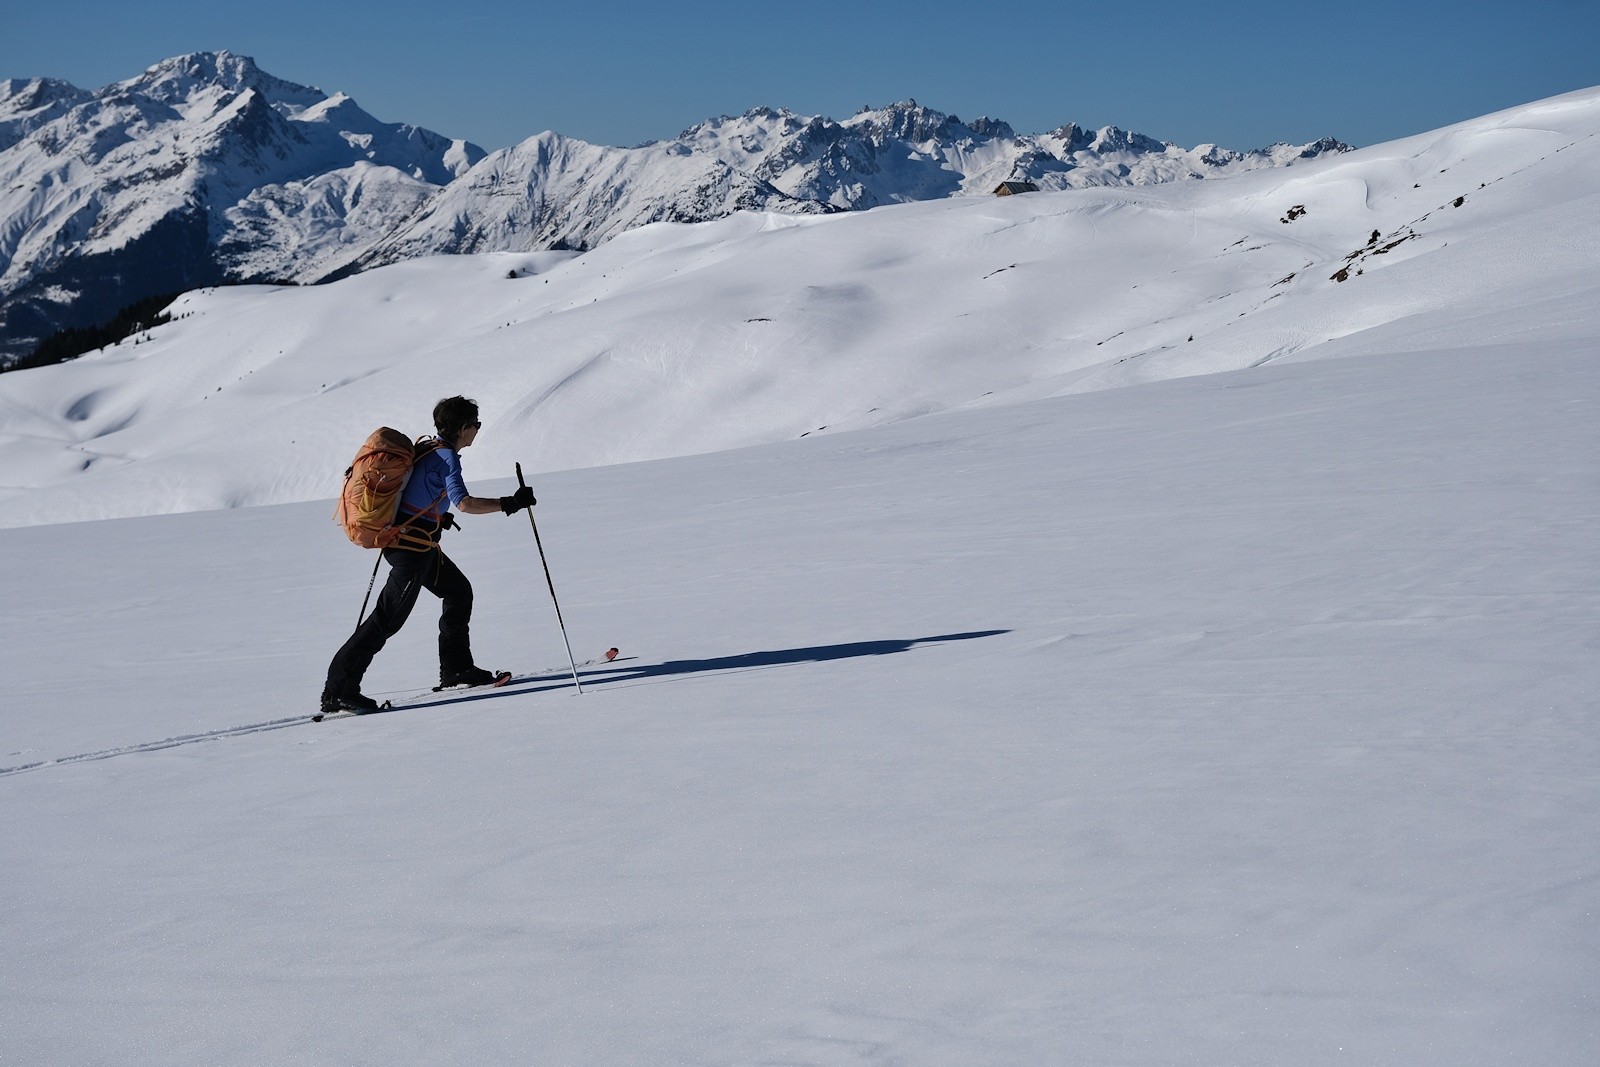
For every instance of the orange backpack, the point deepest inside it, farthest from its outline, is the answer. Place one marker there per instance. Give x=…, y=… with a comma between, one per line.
x=372, y=487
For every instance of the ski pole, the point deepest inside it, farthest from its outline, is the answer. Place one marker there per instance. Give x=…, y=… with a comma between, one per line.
x=370, y=583
x=547, y=580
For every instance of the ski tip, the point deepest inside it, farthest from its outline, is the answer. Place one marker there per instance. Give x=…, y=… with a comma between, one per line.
x=611, y=654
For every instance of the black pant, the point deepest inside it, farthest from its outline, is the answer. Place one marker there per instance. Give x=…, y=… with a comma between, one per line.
x=409, y=574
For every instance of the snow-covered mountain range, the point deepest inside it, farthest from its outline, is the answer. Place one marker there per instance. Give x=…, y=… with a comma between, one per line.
x=206, y=169
x=555, y=192
x=174, y=178
x=764, y=326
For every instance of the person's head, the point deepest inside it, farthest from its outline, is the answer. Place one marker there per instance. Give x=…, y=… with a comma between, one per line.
x=455, y=418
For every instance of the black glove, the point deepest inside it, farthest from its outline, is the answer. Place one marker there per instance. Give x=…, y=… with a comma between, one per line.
x=522, y=498
x=447, y=521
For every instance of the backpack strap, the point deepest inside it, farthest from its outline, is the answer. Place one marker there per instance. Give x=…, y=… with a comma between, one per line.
x=407, y=536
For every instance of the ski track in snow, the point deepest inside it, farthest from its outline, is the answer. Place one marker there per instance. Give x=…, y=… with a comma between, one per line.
x=599, y=670
x=158, y=746
x=408, y=700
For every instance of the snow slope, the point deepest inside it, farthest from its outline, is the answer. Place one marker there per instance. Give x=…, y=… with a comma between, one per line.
x=1241, y=713
x=557, y=192
x=678, y=339
x=1239, y=719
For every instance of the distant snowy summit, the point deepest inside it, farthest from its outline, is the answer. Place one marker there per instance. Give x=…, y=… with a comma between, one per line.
x=910, y=152
x=555, y=192
x=206, y=169
x=174, y=179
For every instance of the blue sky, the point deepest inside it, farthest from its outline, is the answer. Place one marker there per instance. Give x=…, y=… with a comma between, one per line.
x=1240, y=73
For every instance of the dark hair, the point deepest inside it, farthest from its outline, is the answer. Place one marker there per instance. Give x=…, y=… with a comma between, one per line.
x=452, y=415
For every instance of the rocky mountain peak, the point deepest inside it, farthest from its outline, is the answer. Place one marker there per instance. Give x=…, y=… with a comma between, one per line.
x=180, y=79
x=906, y=120
x=984, y=126
x=27, y=104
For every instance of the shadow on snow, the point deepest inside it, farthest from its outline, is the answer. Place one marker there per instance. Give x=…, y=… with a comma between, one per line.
x=618, y=671
x=609, y=673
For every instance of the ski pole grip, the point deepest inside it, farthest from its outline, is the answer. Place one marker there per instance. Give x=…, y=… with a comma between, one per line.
x=520, y=482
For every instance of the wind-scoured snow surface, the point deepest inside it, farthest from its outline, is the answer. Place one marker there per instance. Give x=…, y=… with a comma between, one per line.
x=1158, y=701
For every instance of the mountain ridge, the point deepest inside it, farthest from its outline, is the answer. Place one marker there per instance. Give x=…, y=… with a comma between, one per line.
x=761, y=327
x=86, y=179
x=263, y=179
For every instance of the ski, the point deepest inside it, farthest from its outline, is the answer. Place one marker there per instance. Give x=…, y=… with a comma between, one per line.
x=501, y=679
x=610, y=656
x=349, y=713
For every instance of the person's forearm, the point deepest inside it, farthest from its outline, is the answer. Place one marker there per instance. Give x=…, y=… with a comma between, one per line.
x=479, y=505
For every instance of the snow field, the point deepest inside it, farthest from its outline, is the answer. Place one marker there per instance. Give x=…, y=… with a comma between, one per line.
x=1244, y=718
